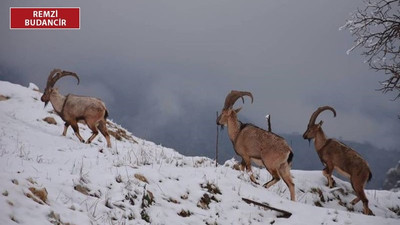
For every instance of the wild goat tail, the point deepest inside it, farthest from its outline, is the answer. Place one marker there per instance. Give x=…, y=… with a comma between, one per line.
x=290, y=158
x=370, y=176
x=106, y=114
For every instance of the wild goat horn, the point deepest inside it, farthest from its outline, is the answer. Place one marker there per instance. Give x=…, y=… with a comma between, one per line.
x=232, y=97
x=51, y=80
x=320, y=110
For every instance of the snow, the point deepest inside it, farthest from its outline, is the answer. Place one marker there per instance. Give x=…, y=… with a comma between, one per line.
x=33, y=86
x=33, y=153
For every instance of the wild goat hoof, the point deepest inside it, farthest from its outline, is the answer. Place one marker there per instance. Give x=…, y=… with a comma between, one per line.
x=370, y=213
x=332, y=185
x=254, y=180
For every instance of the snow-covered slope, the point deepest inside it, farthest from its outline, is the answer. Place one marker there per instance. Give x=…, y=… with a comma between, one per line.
x=137, y=181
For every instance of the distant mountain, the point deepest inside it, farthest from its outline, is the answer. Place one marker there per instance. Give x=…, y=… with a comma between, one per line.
x=392, y=181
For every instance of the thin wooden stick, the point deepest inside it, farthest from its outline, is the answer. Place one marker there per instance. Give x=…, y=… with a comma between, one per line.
x=269, y=124
x=285, y=214
x=268, y=117
x=216, y=146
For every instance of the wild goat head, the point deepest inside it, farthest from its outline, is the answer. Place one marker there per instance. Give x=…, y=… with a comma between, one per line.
x=230, y=100
x=55, y=75
x=312, y=127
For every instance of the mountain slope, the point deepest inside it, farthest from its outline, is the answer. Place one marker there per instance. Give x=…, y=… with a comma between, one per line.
x=137, y=181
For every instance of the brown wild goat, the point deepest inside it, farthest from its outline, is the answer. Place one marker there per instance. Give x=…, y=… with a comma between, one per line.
x=73, y=108
x=336, y=155
x=252, y=143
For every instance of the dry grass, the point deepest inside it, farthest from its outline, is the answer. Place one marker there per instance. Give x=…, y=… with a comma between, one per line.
x=185, y=213
x=82, y=189
x=211, y=188
x=172, y=200
x=54, y=218
x=141, y=177
x=148, y=199
x=119, y=133
x=320, y=194
x=38, y=195
x=205, y=201
x=395, y=210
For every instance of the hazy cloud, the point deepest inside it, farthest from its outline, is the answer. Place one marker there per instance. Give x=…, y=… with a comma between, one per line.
x=157, y=62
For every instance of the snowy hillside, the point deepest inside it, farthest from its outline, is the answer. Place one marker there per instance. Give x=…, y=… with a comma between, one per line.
x=46, y=178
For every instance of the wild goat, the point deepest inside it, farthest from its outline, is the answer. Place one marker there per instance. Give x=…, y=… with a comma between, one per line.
x=336, y=155
x=73, y=108
x=252, y=143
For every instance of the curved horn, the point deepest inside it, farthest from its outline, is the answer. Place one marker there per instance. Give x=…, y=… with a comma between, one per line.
x=50, y=78
x=232, y=97
x=56, y=74
x=320, y=110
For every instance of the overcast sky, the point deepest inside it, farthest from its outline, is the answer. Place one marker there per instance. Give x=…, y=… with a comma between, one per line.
x=158, y=61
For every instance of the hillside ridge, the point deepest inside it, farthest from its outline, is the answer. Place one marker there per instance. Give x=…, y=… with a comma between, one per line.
x=47, y=178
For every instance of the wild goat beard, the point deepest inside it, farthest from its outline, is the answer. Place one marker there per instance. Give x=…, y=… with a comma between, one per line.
x=222, y=127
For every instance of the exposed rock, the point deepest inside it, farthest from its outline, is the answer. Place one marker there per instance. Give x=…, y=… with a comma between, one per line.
x=185, y=196
x=82, y=189
x=185, y=213
x=172, y=200
x=118, y=179
x=50, y=120
x=237, y=166
x=3, y=98
x=211, y=188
